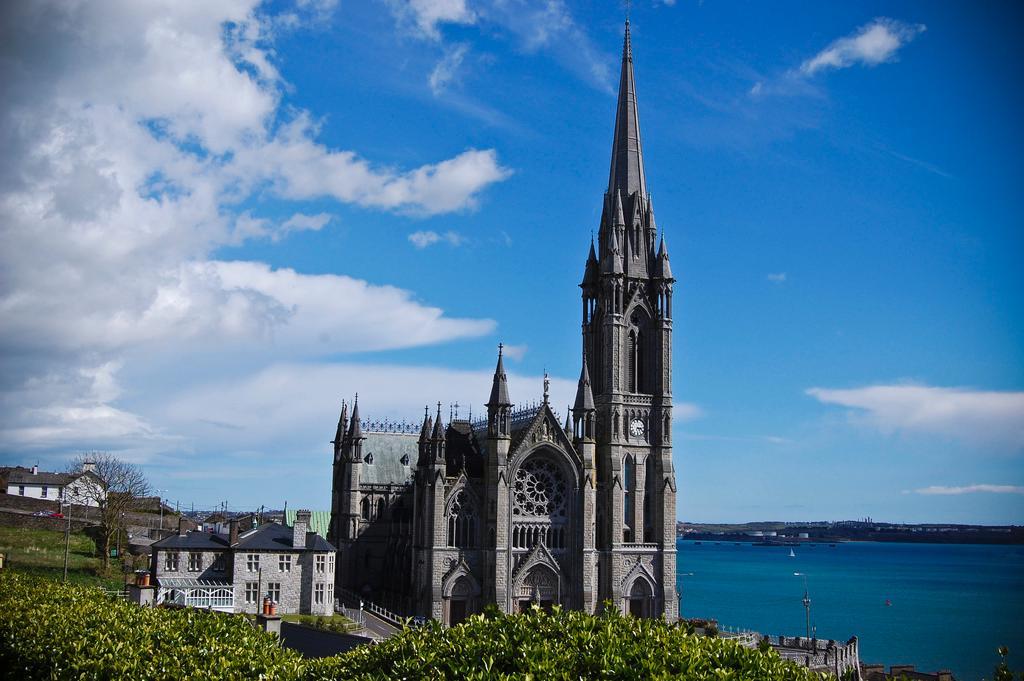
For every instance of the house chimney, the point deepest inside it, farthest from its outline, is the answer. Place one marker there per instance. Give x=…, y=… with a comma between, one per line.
x=88, y=466
x=233, y=532
x=300, y=528
x=182, y=528
x=35, y=469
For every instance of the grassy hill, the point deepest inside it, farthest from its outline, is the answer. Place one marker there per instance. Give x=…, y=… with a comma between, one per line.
x=41, y=552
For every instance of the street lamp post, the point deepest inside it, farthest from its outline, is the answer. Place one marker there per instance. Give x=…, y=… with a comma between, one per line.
x=679, y=594
x=160, y=503
x=806, y=601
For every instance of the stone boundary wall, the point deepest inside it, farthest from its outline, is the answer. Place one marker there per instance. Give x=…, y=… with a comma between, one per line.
x=10, y=519
x=27, y=503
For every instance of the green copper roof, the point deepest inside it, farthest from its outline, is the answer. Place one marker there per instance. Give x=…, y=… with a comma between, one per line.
x=318, y=522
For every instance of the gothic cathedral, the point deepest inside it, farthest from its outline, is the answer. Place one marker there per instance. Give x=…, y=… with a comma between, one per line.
x=517, y=508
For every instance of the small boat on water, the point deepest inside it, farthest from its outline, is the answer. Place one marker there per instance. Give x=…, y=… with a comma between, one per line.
x=792, y=554
x=888, y=603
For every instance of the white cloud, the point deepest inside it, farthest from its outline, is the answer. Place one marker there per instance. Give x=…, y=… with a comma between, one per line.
x=298, y=168
x=297, y=403
x=967, y=489
x=248, y=226
x=536, y=25
x=777, y=277
x=302, y=223
x=319, y=311
x=992, y=417
x=133, y=135
x=872, y=44
x=425, y=238
x=686, y=411
x=425, y=16
x=446, y=69
x=515, y=352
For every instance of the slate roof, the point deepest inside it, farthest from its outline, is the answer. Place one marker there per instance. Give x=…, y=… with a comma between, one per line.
x=25, y=477
x=388, y=450
x=193, y=540
x=268, y=537
x=461, y=450
x=274, y=537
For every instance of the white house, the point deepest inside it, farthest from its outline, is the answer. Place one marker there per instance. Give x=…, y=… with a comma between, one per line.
x=84, y=488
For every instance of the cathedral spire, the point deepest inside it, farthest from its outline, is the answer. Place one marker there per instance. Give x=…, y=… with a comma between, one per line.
x=356, y=428
x=339, y=435
x=627, y=169
x=499, y=387
x=438, y=434
x=428, y=425
x=613, y=257
x=661, y=266
x=584, y=393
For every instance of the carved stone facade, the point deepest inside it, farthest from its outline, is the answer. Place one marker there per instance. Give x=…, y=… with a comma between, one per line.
x=518, y=508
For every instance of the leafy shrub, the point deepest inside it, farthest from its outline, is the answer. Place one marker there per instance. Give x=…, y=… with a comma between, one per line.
x=562, y=645
x=54, y=631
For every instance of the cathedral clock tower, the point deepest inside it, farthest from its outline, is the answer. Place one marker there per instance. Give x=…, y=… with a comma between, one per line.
x=627, y=346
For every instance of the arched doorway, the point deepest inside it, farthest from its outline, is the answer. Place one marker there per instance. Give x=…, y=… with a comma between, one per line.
x=541, y=586
x=460, y=601
x=638, y=603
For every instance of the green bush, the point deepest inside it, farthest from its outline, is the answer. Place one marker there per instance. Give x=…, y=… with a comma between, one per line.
x=54, y=631
x=562, y=645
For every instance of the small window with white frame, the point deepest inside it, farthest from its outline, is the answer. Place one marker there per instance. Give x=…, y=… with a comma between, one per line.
x=46, y=491
x=171, y=561
x=321, y=563
x=274, y=591
x=318, y=594
x=252, y=593
x=252, y=562
x=195, y=562
x=284, y=562
x=330, y=563
x=219, y=562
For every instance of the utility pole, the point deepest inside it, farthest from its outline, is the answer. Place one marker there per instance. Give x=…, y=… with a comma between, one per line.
x=67, y=542
x=806, y=601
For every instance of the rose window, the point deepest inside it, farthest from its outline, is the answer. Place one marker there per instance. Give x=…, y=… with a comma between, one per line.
x=539, y=489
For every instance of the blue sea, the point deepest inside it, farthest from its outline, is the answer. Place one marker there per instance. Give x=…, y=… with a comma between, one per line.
x=951, y=606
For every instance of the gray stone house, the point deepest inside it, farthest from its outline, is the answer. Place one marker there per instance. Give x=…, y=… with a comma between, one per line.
x=527, y=506
x=233, y=572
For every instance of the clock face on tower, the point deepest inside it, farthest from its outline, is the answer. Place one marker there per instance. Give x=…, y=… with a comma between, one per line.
x=636, y=428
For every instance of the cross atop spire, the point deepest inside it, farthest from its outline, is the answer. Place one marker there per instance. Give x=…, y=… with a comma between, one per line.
x=627, y=169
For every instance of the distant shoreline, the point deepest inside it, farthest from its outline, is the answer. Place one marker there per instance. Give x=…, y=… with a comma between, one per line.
x=796, y=534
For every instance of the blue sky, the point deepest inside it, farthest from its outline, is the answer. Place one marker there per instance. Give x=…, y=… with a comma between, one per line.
x=219, y=222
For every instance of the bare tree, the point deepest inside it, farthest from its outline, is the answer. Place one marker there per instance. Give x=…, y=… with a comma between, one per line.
x=115, y=490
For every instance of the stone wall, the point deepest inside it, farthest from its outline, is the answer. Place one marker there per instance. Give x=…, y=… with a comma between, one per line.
x=11, y=519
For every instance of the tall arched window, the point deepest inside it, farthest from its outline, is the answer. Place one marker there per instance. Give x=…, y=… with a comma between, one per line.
x=381, y=507
x=649, y=500
x=640, y=385
x=542, y=497
x=364, y=508
x=629, y=498
x=631, y=362
x=462, y=521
